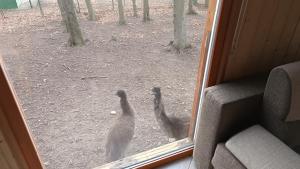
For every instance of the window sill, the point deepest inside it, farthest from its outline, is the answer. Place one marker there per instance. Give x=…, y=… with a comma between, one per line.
x=155, y=157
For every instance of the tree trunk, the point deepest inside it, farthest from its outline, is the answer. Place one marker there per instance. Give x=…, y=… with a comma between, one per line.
x=121, y=13
x=135, y=14
x=179, y=25
x=191, y=10
x=63, y=14
x=30, y=4
x=41, y=9
x=206, y=3
x=71, y=22
x=146, y=11
x=113, y=4
x=78, y=6
x=89, y=6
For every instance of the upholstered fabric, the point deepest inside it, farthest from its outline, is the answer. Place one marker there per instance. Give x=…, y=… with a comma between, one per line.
x=227, y=109
x=224, y=159
x=256, y=148
x=292, y=70
x=280, y=104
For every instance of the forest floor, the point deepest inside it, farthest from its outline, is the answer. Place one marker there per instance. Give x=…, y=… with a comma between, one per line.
x=68, y=93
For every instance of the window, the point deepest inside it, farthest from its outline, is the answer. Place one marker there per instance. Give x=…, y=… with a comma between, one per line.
x=67, y=94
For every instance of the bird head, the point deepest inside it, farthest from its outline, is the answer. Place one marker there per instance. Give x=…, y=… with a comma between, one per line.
x=156, y=91
x=121, y=94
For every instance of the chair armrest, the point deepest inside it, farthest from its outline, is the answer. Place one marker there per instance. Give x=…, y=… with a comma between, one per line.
x=227, y=109
x=256, y=148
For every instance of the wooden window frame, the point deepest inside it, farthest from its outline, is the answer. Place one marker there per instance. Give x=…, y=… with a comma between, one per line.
x=14, y=128
x=21, y=142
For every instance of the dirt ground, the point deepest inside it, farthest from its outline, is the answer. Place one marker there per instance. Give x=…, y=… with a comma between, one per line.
x=67, y=93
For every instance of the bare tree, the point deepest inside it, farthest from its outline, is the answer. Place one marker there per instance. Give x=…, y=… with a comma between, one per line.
x=41, y=9
x=121, y=13
x=89, y=6
x=179, y=25
x=78, y=6
x=69, y=16
x=113, y=4
x=135, y=14
x=146, y=11
x=206, y=3
x=191, y=10
x=63, y=14
x=30, y=4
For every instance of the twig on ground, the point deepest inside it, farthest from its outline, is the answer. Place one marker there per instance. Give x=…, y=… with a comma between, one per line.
x=93, y=77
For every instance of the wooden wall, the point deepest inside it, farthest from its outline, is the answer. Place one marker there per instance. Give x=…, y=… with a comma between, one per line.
x=267, y=35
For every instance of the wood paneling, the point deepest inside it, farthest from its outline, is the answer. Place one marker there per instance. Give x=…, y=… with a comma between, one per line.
x=266, y=36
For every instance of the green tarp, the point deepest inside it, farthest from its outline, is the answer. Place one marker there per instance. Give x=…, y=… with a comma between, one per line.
x=8, y=4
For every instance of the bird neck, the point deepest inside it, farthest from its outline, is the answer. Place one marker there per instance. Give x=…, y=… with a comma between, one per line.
x=126, y=107
x=159, y=107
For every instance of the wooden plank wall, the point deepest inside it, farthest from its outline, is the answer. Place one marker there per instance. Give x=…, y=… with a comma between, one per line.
x=268, y=35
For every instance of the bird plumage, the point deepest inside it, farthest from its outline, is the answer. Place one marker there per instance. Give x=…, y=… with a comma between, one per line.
x=122, y=132
x=173, y=126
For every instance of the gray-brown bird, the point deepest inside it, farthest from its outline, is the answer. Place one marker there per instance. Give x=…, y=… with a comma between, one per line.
x=121, y=134
x=173, y=126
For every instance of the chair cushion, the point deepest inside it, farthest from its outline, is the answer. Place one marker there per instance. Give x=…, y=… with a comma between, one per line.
x=256, y=148
x=224, y=159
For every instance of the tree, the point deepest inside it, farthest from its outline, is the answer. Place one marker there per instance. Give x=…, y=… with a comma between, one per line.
x=206, y=3
x=89, y=6
x=146, y=11
x=135, y=14
x=121, y=13
x=78, y=6
x=179, y=25
x=191, y=10
x=63, y=14
x=41, y=9
x=72, y=25
x=30, y=4
x=113, y=4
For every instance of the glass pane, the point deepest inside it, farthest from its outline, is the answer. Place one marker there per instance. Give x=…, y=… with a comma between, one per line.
x=68, y=94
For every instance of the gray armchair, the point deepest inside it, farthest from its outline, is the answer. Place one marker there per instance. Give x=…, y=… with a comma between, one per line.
x=248, y=120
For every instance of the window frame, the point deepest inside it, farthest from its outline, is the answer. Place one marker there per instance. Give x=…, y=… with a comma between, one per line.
x=207, y=75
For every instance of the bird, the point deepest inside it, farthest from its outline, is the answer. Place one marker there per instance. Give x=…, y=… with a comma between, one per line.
x=121, y=134
x=175, y=127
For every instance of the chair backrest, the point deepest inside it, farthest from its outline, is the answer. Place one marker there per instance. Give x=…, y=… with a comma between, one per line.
x=281, y=104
